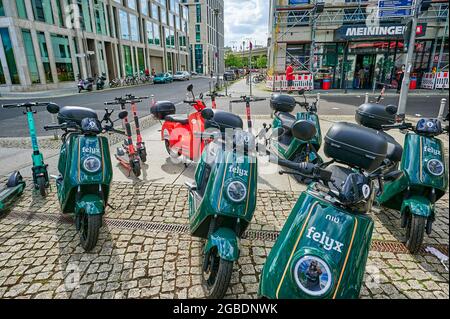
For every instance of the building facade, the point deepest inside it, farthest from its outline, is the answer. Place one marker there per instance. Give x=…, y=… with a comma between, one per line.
x=345, y=41
x=47, y=44
x=207, y=35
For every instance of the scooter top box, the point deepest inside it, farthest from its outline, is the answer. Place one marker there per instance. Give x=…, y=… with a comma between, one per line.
x=374, y=116
x=356, y=146
x=163, y=108
x=282, y=103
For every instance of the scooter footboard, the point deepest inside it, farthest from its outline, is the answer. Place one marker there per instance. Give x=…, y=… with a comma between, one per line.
x=226, y=242
x=90, y=204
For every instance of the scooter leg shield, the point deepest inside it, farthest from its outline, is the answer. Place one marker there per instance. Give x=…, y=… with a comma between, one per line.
x=90, y=205
x=417, y=205
x=226, y=242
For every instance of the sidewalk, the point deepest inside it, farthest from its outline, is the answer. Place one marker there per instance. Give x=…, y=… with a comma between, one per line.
x=242, y=88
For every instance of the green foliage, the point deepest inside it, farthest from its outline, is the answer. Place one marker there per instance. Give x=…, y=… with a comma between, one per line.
x=233, y=61
x=261, y=62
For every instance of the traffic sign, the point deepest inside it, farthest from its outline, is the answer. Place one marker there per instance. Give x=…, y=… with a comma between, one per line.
x=395, y=8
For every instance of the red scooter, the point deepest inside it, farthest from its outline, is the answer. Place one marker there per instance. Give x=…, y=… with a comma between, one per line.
x=213, y=97
x=127, y=155
x=140, y=145
x=179, y=131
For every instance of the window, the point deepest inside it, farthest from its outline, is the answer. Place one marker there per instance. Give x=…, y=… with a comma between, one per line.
x=197, y=33
x=150, y=34
x=2, y=10
x=2, y=75
x=144, y=7
x=128, y=60
x=42, y=10
x=31, y=57
x=198, y=12
x=44, y=57
x=156, y=34
x=155, y=12
x=141, y=62
x=199, y=58
x=123, y=20
x=9, y=53
x=134, y=28
x=21, y=10
x=99, y=13
x=131, y=4
x=63, y=59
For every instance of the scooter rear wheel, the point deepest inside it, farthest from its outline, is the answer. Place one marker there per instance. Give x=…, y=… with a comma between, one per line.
x=216, y=279
x=143, y=155
x=41, y=185
x=136, y=167
x=90, y=229
x=415, y=229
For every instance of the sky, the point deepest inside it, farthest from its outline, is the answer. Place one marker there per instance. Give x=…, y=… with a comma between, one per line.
x=246, y=19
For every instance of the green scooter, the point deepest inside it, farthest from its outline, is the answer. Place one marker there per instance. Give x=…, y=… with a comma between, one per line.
x=85, y=169
x=283, y=143
x=222, y=199
x=422, y=159
x=424, y=182
x=14, y=188
x=322, y=250
x=40, y=173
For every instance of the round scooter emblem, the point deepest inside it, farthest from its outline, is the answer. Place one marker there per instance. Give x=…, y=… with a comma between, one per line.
x=312, y=275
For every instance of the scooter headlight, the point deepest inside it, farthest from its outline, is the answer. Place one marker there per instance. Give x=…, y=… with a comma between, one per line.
x=92, y=164
x=312, y=275
x=435, y=167
x=237, y=191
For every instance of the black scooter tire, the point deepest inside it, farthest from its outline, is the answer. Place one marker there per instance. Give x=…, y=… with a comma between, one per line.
x=136, y=168
x=89, y=233
x=143, y=155
x=223, y=271
x=415, y=230
x=41, y=185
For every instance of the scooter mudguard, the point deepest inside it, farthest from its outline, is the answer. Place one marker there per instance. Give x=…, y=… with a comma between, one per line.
x=417, y=205
x=321, y=253
x=13, y=190
x=226, y=242
x=90, y=205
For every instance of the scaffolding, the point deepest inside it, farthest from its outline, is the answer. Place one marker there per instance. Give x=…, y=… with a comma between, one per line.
x=287, y=18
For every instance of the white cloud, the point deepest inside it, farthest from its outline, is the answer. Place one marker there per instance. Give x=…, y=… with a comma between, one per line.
x=246, y=19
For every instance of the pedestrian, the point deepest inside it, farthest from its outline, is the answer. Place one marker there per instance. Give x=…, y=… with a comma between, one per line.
x=362, y=77
x=401, y=76
x=290, y=77
x=212, y=74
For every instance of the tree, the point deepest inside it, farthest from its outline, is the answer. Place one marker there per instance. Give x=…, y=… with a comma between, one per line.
x=233, y=61
x=261, y=62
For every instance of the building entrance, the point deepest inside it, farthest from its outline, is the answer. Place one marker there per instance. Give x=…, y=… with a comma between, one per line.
x=364, y=71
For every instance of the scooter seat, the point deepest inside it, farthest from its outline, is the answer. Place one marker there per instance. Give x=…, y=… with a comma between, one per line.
x=182, y=119
x=75, y=114
x=287, y=120
x=395, y=150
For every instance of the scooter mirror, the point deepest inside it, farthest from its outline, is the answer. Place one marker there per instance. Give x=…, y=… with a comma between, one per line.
x=208, y=114
x=301, y=92
x=123, y=115
x=190, y=87
x=53, y=108
x=304, y=130
x=391, y=109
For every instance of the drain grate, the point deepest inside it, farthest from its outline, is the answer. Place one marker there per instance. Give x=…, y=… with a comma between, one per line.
x=377, y=245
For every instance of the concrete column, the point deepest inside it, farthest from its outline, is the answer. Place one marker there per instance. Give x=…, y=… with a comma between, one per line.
x=29, y=9
x=120, y=51
x=51, y=57
x=37, y=53
x=10, y=8
x=4, y=64
x=76, y=71
x=55, y=12
x=20, y=56
x=83, y=70
x=106, y=62
x=118, y=66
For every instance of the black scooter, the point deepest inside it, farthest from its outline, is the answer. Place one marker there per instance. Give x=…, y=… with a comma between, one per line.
x=87, y=85
x=101, y=81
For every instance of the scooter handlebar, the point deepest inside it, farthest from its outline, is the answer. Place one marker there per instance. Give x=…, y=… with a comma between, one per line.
x=27, y=104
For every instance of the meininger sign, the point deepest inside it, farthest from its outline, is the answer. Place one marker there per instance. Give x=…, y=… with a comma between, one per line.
x=382, y=32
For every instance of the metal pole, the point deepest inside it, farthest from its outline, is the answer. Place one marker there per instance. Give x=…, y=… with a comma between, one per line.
x=55, y=135
x=313, y=41
x=442, y=109
x=216, y=13
x=441, y=51
x=250, y=65
x=318, y=101
x=409, y=61
x=367, y=98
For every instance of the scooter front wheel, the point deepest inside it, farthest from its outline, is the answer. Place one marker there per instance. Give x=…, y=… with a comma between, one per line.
x=41, y=185
x=90, y=229
x=143, y=155
x=217, y=276
x=136, y=167
x=415, y=229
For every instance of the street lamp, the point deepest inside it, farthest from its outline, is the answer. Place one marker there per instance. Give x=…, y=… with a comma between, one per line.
x=216, y=14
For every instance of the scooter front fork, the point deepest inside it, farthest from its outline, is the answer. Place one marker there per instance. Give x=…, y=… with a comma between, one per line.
x=212, y=228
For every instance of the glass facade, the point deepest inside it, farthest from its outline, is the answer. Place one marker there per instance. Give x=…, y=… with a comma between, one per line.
x=141, y=62
x=2, y=75
x=2, y=10
x=31, y=57
x=128, y=60
x=21, y=10
x=9, y=53
x=42, y=10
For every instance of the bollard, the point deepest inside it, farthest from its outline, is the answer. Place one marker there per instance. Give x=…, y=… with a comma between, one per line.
x=55, y=134
x=318, y=100
x=442, y=109
x=367, y=98
x=230, y=107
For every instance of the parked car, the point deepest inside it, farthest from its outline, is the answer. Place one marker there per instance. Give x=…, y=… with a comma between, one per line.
x=163, y=78
x=193, y=73
x=182, y=76
x=229, y=76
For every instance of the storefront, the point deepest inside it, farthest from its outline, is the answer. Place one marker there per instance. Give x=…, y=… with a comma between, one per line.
x=362, y=56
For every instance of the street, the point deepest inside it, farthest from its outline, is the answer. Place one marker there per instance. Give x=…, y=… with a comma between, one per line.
x=13, y=123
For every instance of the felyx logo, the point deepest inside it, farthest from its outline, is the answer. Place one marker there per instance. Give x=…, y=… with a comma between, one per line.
x=322, y=238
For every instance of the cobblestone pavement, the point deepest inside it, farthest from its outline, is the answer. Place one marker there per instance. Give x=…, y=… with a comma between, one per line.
x=145, y=250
